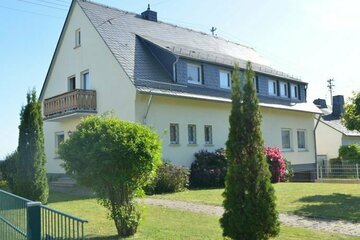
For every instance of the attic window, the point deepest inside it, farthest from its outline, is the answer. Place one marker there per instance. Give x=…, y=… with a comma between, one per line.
x=77, y=38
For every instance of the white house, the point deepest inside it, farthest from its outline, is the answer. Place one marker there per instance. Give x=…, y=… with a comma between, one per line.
x=174, y=79
x=331, y=133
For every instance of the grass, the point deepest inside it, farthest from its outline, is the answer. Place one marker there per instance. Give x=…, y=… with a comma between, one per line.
x=324, y=200
x=163, y=223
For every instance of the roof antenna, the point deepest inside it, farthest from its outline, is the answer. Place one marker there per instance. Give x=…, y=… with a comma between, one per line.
x=212, y=30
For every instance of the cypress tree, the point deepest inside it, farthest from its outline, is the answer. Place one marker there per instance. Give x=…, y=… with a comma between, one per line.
x=249, y=198
x=31, y=181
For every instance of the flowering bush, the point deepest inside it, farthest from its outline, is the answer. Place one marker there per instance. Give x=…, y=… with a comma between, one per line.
x=277, y=165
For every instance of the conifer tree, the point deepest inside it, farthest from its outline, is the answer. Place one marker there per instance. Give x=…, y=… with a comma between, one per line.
x=31, y=181
x=249, y=198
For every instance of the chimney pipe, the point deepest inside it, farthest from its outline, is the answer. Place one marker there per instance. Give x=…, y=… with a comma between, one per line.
x=338, y=106
x=149, y=15
x=320, y=103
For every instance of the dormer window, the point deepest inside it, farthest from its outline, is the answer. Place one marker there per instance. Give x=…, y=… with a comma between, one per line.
x=194, y=73
x=294, y=91
x=272, y=87
x=225, y=79
x=256, y=83
x=284, y=89
x=77, y=38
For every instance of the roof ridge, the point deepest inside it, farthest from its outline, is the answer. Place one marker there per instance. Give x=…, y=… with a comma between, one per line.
x=171, y=24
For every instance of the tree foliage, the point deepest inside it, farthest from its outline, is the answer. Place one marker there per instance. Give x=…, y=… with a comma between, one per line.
x=350, y=153
x=8, y=170
x=249, y=196
x=351, y=115
x=116, y=159
x=30, y=178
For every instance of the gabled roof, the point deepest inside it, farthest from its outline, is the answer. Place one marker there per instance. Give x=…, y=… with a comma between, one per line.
x=335, y=122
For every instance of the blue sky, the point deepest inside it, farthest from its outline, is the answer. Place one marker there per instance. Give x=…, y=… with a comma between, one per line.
x=313, y=39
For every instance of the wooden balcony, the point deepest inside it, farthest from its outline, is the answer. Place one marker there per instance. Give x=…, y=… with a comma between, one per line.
x=78, y=101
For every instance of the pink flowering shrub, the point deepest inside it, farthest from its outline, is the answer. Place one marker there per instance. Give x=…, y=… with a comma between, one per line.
x=277, y=164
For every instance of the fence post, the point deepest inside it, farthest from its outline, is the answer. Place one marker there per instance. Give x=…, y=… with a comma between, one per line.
x=357, y=171
x=33, y=220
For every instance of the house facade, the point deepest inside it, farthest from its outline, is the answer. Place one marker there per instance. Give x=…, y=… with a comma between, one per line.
x=173, y=79
x=331, y=133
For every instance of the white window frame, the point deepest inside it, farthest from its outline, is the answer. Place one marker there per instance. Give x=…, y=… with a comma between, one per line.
x=302, y=148
x=272, y=83
x=174, y=126
x=227, y=83
x=77, y=38
x=286, y=149
x=192, y=130
x=208, y=141
x=83, y=85
x=294, y=88
x=284, y=89
x=57, y=143
x=69, y=82
x=198, y=67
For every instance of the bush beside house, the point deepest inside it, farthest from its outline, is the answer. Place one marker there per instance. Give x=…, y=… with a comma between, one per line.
x=350, y=153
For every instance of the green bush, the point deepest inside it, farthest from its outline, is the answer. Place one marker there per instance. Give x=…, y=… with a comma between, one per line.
x=8, y=169
x=209, y=169
x=335, y=161
x=350, y=153
x=169, y=179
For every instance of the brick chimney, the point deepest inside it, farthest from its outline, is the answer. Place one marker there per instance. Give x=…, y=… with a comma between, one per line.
x=149, y=15
x=338, y=105
x=320, y=103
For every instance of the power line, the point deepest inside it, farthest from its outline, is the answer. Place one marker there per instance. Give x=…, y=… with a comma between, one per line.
x=29, y=12
x=43, y=5
x=53, y=3
x=63, y=1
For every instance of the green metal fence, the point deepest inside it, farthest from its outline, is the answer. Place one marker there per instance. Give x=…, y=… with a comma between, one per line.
x=23, y=219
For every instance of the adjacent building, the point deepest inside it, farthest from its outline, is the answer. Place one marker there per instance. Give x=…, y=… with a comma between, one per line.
x=171, y=78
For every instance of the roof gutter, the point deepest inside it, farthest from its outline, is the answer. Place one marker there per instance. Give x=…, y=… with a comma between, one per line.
x=315, y=145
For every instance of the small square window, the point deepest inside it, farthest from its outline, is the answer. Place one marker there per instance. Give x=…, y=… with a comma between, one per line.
x=286, y=139
x=194, y=73
x=225, y=79
x=77, y=38
x=192, y=134
x=174, y=133
x=284, y=89
x=208, y=134
x=301, y=139
x=71, y=83
x=272, y=87
x=85, y=79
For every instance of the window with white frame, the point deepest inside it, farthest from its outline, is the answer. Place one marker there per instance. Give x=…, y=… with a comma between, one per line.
x=272, y=87
x=192, y=134
x=174, y=133
x=284, y=89
x=194, y=73
x=77, y=38
x=225, y=79
x=85, y=79
x=301, y=139
x=71, y=83
x=294, y=91
x=59, y=139
x=208, y=134
x=256, y=83
x=286, y=139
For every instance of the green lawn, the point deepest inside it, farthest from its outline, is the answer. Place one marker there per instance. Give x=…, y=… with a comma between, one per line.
x=326, y=200
x=162, y=223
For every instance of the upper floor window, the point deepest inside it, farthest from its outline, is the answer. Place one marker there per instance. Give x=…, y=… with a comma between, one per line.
x=208, y=134
x=194, y=73
x=294, y=91
x=284, y=89
x=272, y=87
x=174, y=133
x=192, y=133
x=77, y=38
x=71, y=83
x=286, y=139
x=85, y=79
x=256, y=83
x=225, y=79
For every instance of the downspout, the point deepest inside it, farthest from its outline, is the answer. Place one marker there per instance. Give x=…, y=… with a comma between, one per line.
x=147, y=108
x=316, y=160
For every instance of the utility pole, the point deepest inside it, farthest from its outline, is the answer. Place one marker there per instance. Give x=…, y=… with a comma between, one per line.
x=330, y=87
x=212, y=30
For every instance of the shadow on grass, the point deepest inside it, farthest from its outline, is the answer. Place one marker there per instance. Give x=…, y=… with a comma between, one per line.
x=334, y=206
x=55, y=197
x=115, y=237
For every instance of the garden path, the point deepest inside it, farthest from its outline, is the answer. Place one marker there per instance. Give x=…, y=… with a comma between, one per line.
x=337, y=226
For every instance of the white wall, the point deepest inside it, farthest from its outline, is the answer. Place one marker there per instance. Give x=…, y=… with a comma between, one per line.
x=166, y=110
x=113, y=87
x=328, y=141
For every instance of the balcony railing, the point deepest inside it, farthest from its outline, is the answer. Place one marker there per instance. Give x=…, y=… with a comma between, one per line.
x=83, y=101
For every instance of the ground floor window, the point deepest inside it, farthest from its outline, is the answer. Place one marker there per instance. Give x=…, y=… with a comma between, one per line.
x=208, y=134
x=192, y=133
x=59, y=139
x=301, y=139
x=286, y=139
x=174, y=133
